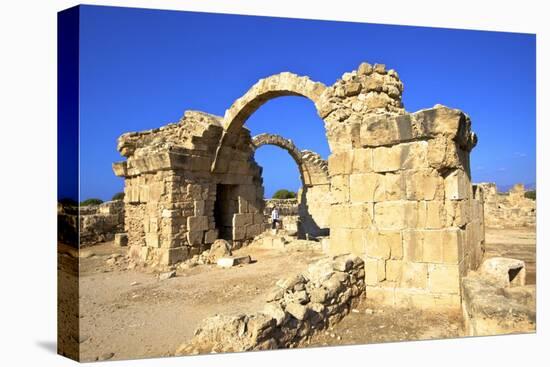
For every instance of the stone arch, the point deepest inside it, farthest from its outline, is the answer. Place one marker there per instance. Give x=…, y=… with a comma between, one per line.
x=313, y=168
x=279, y=85
x=314, y=196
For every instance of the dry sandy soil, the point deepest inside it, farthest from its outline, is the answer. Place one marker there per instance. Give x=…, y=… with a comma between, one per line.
x=132, y=314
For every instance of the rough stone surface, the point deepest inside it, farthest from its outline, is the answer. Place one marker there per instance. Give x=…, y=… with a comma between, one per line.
x=492, y=305
x=286, y=321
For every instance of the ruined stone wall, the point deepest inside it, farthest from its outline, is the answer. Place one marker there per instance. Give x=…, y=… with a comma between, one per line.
x=99, y=223
x=401, y=188
x=510, y=209
x=170, y=193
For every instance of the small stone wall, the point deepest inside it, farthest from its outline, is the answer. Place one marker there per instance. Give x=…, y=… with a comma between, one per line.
x=296, y=308
x=512, y=209
x=99, y=223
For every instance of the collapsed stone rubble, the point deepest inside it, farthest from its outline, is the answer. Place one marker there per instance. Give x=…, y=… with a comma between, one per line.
x=296, y=307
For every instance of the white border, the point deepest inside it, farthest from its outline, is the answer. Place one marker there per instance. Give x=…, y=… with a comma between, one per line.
x=28, y=184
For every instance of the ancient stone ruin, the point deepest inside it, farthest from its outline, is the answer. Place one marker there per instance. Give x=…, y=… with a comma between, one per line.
x=396, y=191
x=510, y=209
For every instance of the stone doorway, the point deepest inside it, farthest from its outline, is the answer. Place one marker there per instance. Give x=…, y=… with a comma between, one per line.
x=226, y=205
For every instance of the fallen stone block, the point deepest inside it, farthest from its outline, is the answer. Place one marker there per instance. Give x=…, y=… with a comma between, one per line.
x=504, y=272
x=228, y=262
x=167, y=275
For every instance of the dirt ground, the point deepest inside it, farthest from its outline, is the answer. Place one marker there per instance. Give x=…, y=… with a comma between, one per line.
x=132, y=314
x=517, y=243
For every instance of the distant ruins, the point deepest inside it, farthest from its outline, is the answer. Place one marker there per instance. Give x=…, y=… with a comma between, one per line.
x=396, y=191
x=512, y=209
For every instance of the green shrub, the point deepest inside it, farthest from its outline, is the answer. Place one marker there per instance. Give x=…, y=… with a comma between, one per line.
x=118, y=196
x=92, y=201
x=284, y=194
x=531, y=194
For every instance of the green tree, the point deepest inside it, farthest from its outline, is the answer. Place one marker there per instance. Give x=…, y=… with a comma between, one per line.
x=531, y=194
x=284, y=194
x=92, y=201
x=118, y=196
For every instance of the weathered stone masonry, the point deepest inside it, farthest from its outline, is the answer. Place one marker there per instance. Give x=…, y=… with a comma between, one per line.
x=400, y=188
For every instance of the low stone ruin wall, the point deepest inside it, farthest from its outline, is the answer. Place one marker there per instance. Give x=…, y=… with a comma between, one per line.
x=67, y=219
x=296, y=308
x=512, y=209
x=100, y=223
x=288, y=212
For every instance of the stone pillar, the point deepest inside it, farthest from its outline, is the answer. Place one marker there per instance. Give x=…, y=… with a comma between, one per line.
x=401, y=190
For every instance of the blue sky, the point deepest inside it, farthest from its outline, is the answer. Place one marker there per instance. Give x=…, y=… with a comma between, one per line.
x=141, y=69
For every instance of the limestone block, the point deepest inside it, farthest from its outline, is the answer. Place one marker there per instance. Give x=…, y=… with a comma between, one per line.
x=425, y=184
x=504, y=272
x=228, y=262
x=394, y=186
x=340, y=241
x=395, y=215
x=375, y=271
x=199, y=208
x=340, y=188
x=194, y=191
x=417, y=157
x=389, y=159
x=170, y=213
x=361, y=215
x=432, y=246
x=243, y=219
x=362, y=161
x=243, y=205
x=444, y=278
x=173, y=255
x=457, y=213
x=120, y=168
x=385, y=130
x=414, y=275
x=358, y=241
x=197, y=223
x=239, y=233
x=439, y=120
x=259, y=218
x=195, y=237
x=366, y=187
x=457, y=185
x=394, y=269
x=453, y=245
x=377, y=246
x=253, y=230
x=435, y=214
x=340, y=163
x=210, y=236
x=152, y=240
x=393, y=240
